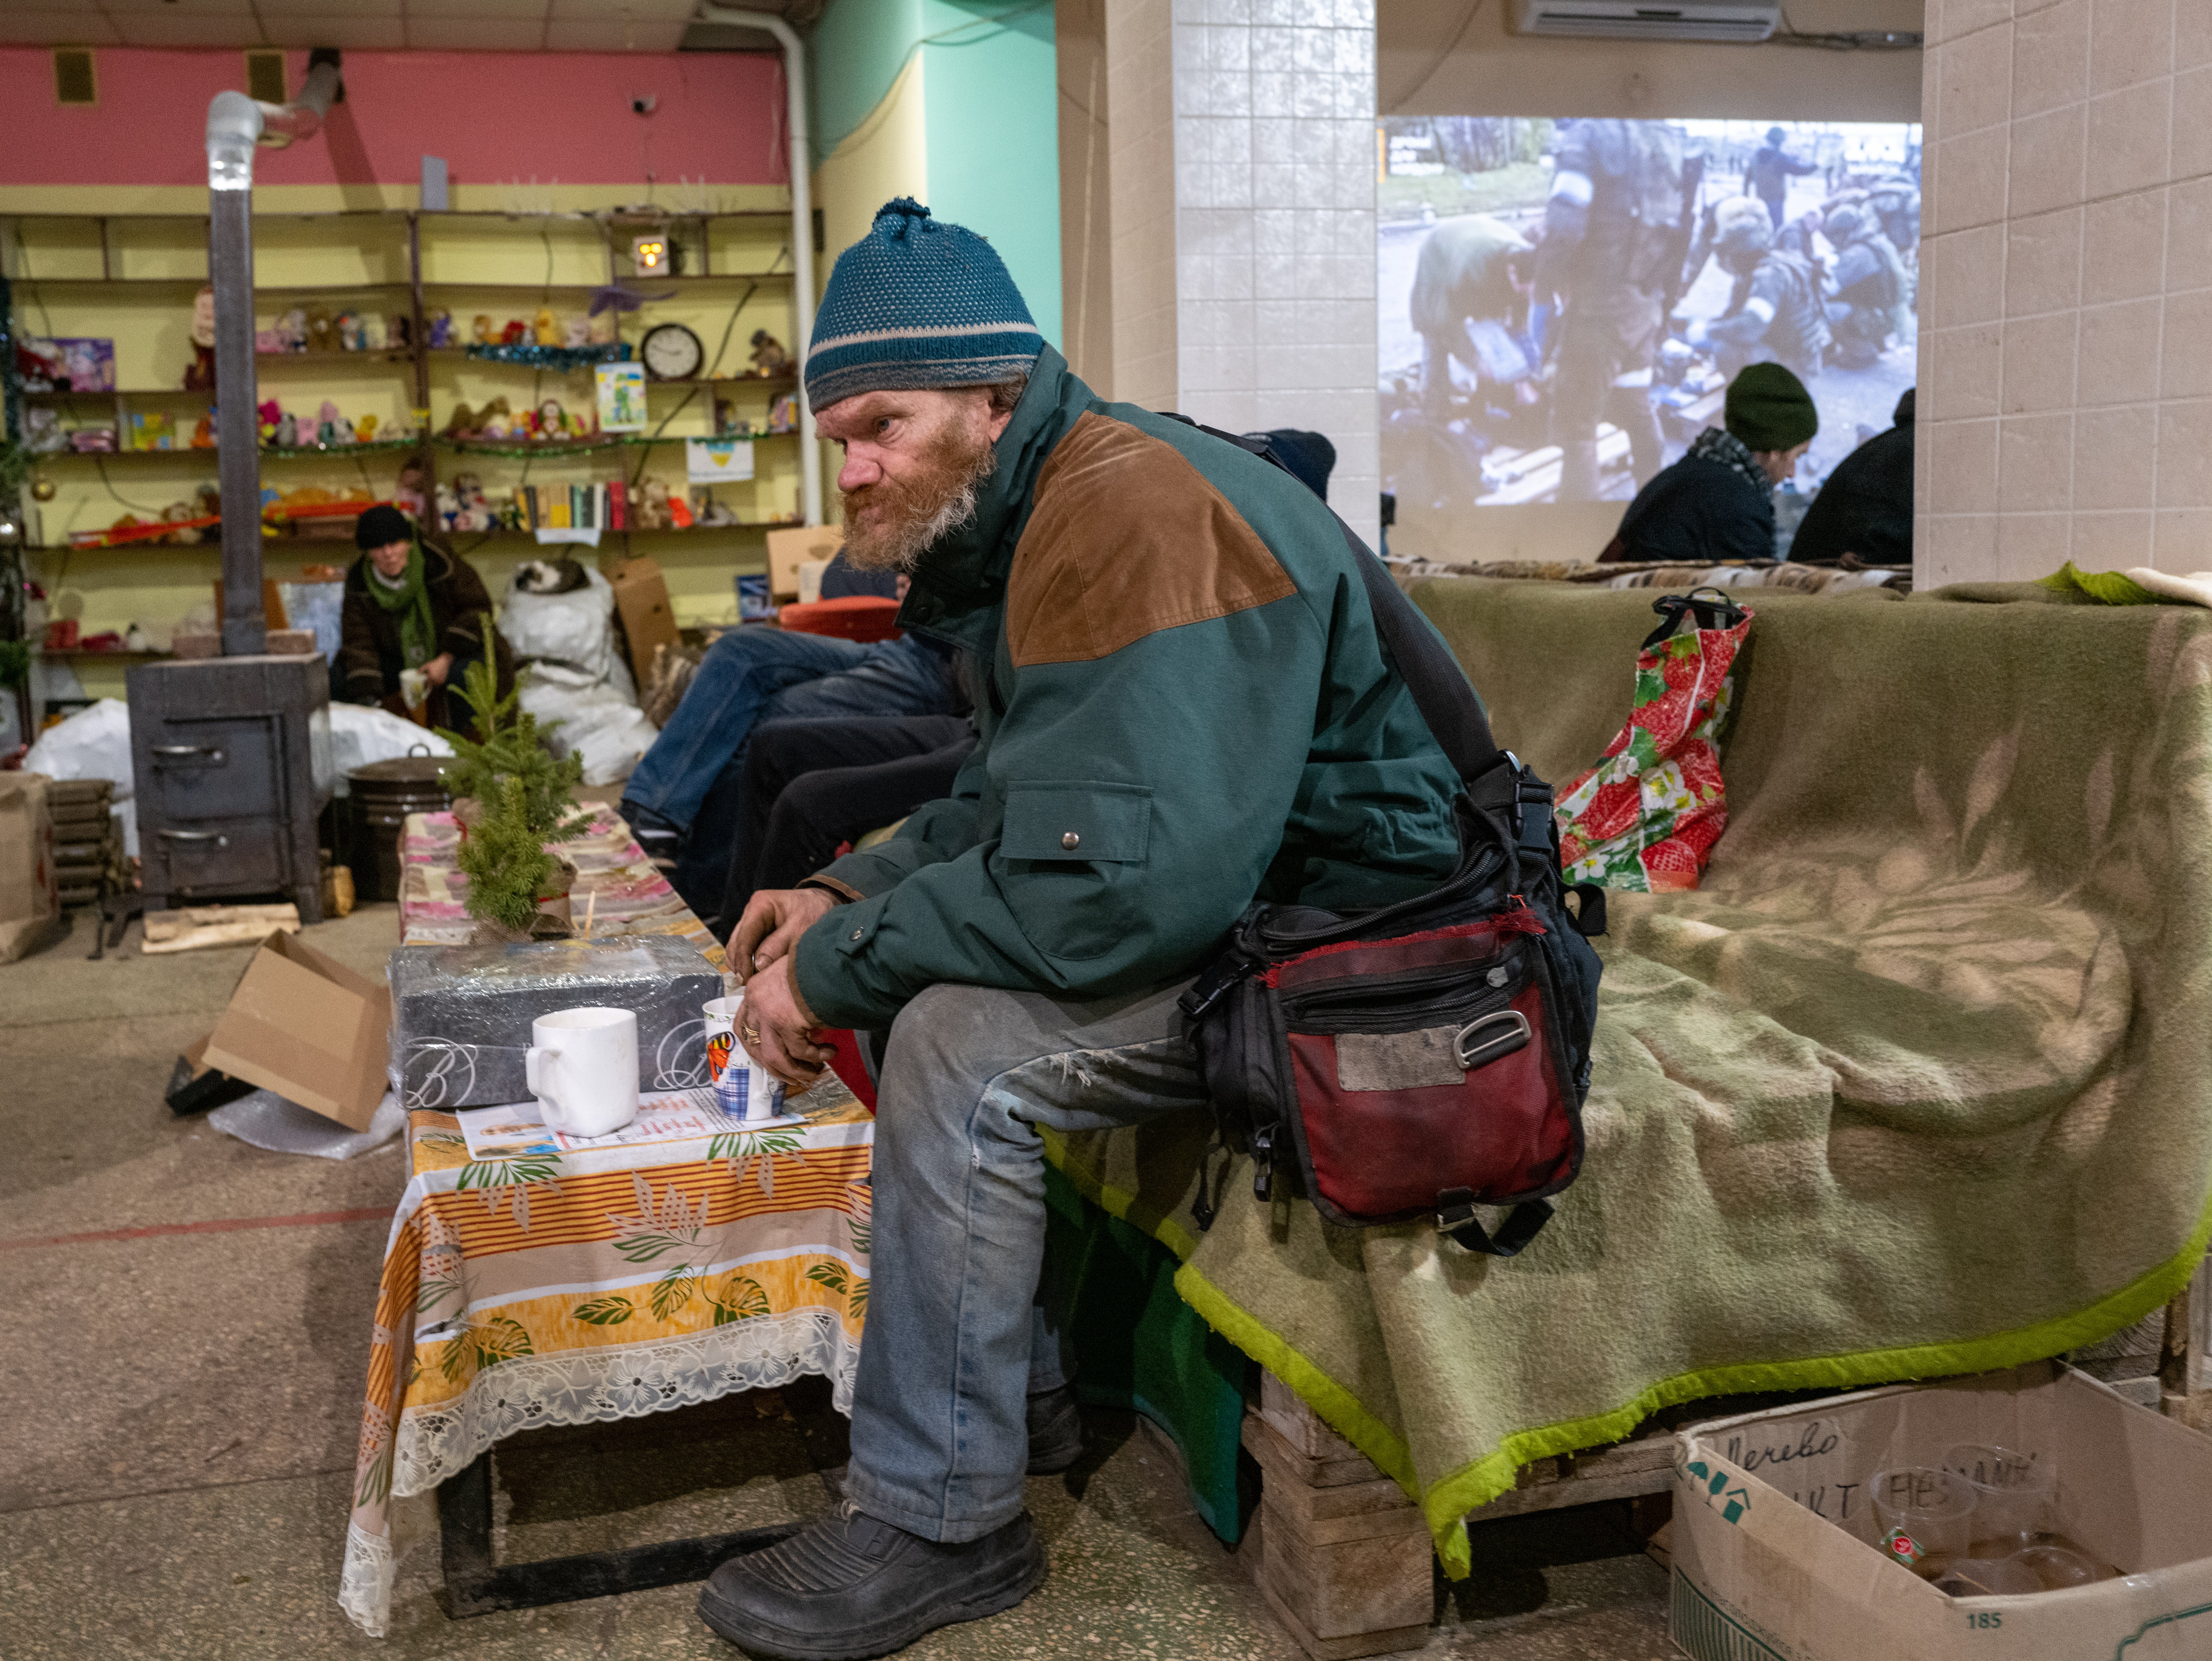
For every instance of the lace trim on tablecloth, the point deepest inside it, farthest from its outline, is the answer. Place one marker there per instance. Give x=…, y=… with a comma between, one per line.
x=597, y=1385
x=365, y=1585
x=593, y=1386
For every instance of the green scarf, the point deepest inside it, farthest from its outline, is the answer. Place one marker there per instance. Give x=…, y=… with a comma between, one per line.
x=411, y=602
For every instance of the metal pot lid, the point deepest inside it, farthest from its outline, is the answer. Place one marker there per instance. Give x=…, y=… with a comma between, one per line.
x=402, y=770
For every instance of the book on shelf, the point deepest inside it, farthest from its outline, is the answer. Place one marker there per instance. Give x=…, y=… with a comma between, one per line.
x=617, y=505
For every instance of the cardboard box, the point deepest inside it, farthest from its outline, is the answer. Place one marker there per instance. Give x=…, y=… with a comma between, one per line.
x=788, y=550
x=30, y=883
x=307, y=1027
x=648, y=620
x=1774, y=1545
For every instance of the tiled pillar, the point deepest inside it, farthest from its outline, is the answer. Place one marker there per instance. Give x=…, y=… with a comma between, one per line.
x=2065, y=407
x=1241, y=146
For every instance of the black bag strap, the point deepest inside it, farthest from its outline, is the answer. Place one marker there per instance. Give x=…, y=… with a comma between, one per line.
x=1455, y=1217
x=1718, y=612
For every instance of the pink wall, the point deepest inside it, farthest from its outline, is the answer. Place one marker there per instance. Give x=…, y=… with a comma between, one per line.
x=493, y=116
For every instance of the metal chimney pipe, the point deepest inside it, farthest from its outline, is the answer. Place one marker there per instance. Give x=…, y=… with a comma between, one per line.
x=802, y=231
x=235, y=124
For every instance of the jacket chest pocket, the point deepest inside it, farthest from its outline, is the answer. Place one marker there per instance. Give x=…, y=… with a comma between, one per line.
x=1072, y=861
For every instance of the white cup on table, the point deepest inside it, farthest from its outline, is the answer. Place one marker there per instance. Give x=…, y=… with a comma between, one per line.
x=582, y=1067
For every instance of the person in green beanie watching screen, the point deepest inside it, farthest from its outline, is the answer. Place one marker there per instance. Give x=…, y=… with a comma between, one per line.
x=1181, y=704
x=1717, y=502
x=413, y=604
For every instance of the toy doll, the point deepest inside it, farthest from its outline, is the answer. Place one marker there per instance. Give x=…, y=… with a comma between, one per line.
x=516, y=332
x=547, y=332
x=441, y=328
x=347, y=329
x=481, y=331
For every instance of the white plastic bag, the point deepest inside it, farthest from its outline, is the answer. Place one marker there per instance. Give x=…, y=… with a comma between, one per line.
x=577, y=677
x=360, y=734
x=93, y=744
x=266, y=1120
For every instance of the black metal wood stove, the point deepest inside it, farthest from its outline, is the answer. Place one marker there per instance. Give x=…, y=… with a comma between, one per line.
x=233, y=754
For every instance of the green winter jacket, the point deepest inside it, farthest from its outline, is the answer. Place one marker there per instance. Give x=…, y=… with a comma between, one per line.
x=1183, y=706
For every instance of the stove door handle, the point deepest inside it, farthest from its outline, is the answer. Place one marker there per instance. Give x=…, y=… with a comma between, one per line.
x=180, y=750
x=215, y=836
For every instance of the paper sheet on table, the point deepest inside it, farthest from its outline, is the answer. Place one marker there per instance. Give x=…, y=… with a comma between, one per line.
x=515, y=1132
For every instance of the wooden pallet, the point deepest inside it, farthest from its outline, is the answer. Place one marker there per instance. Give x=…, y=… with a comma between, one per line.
x=1344, y=1559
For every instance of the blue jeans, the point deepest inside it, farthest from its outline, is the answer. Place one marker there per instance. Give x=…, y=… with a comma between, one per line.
x=956, y=1338
x=758, y=674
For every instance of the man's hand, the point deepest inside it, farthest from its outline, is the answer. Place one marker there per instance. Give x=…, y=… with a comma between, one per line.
x=775, y=918
x=776, y=1027
x=438, y=668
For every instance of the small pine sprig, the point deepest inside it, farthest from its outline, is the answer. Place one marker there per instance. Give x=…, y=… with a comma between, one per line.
x=505, y=860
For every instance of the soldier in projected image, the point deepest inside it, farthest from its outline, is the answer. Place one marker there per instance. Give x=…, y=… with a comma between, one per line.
x=1667, y=255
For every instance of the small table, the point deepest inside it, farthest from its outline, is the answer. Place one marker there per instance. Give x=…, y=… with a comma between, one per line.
x=593, y=1284
x=596, y=1285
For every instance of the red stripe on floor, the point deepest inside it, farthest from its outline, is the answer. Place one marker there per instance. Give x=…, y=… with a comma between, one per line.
x=213, y=1225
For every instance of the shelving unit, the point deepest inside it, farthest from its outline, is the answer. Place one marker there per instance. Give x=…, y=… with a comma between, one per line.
x=130, y=278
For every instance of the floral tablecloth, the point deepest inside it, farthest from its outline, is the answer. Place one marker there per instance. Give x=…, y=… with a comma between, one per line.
x=601, y=1284
x=617, y=887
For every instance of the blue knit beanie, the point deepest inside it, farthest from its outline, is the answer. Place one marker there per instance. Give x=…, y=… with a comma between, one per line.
x=917, y=302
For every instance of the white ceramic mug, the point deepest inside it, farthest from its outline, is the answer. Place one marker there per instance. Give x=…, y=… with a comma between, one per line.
x=582, y=1067
x=741, y=1084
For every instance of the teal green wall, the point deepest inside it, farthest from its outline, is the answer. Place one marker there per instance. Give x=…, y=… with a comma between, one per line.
x=990, y=90
x=855, y=53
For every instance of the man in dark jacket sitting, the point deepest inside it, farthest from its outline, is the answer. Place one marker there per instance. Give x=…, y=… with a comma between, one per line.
x=1866, y=506
x=1717, y=502
x=413, y=604
x=1182, y=705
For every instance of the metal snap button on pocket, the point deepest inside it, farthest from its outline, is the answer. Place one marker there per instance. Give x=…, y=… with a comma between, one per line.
x=1069, y=839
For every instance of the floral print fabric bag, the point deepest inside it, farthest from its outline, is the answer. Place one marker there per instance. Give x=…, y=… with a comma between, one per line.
x=1647, y=815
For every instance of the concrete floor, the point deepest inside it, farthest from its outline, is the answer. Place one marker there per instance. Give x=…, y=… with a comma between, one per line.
x=180, y=1405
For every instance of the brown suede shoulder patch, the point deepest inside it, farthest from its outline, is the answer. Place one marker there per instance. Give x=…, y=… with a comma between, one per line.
x=1127, y=538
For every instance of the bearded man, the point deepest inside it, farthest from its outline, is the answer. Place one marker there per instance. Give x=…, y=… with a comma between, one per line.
x=1181, y=705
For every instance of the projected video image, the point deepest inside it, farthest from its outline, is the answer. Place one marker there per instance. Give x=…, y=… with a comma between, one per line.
x=1563, y=303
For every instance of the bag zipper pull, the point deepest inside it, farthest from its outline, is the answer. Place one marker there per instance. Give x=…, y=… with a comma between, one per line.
x=1263, y=1162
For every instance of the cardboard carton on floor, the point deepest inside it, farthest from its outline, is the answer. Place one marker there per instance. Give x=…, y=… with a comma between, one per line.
x=1774, y=1545
x=30, y=897
x=788, y=550
x=305, y=1027
x=648, y=620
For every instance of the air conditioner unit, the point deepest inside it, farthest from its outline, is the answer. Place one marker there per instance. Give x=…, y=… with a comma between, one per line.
x=1691, y=20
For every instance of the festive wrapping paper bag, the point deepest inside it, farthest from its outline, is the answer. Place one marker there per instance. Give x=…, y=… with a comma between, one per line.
x=1646, y=816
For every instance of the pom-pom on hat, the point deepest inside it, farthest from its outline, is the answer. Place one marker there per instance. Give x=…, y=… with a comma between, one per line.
x=1769, y=409
x=917, y=302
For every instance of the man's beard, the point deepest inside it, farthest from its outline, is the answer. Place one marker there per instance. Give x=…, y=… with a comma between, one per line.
x=891, y=523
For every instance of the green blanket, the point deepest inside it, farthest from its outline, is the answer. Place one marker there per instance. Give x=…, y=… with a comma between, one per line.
x=1916, y=1084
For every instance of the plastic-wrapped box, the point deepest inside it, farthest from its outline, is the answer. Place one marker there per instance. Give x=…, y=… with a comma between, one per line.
x=461, y=1014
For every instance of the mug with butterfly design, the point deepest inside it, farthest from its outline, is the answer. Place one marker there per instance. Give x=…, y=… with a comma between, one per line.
x=742, y=1085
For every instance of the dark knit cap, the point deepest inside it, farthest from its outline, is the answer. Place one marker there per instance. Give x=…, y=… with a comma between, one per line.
x=1769, y=409
x=380, y=525
x=917, y=302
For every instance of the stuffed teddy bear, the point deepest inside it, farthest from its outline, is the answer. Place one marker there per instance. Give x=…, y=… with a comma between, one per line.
x=652, y=512
x=770, y=359
x=481, y=331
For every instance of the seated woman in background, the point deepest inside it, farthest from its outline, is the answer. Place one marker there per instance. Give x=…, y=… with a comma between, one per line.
x=1717, y=502
x=412, y=604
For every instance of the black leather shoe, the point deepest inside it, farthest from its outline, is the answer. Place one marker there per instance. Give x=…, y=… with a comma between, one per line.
x=656, y=836
x=850, y=1586
x=1056, y=1431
